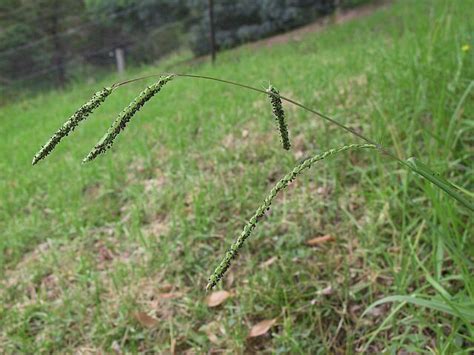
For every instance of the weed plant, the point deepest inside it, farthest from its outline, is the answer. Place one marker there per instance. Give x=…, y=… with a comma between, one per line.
x=277, y=108
x=85, y=247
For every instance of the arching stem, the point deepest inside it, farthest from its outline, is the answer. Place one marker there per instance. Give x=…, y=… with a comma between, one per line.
x=417, y=168
x=287, y=99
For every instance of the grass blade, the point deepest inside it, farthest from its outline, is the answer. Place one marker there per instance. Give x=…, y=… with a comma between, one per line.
x=467, y=309
x=439, y=181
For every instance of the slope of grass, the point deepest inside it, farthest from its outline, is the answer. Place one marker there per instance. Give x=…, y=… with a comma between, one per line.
x=86, y=247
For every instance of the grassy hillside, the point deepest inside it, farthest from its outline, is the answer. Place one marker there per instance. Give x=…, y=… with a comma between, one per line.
x=87, y=249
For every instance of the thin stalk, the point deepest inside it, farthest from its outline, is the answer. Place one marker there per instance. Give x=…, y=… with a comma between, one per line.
x=333, y=121
x=424, y=171
x=327, y=118
x=287, y=99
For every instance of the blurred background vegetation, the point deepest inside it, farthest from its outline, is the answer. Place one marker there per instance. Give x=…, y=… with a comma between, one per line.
x=46, y=43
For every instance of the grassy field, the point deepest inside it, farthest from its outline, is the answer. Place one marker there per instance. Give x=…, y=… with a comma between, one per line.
x=88, y=250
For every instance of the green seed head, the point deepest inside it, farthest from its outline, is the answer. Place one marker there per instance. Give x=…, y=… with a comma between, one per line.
x=260, y=212
x=279, y=114
x=124, y=117
x=81, y=114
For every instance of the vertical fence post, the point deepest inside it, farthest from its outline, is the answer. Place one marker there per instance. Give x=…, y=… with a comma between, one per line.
x=120, y=60
x=337, y=11
x=212, y=33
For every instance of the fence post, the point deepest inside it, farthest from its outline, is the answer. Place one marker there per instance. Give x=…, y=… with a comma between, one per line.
x=120, y=60
x=337, y=11
x=212, y=33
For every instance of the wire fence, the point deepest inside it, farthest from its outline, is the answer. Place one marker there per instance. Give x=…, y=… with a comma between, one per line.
x=78, y=48
x=74, y=63
x=69, y=31
x=78, y=58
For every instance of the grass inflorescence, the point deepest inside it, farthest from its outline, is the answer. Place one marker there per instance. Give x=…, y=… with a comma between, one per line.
x=125, y=116
x=81, y=114
x=279, y=113
x=265, y=206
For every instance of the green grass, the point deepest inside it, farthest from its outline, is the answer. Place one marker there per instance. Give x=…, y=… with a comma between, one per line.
x=84, y=247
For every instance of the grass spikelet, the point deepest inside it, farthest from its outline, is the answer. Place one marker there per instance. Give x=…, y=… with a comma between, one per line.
x=260, y=212
x=277, y=109
x=125, y=116
x=81, y=114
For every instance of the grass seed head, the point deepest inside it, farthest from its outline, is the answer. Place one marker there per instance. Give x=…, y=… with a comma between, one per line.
x=81, y=114
x=260, y=212
x=277, y=109
x=125, y=116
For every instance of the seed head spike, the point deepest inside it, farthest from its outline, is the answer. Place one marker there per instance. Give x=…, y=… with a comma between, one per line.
x=124, y=117
x=81, y=114
x=260, y=212
x=277, y=109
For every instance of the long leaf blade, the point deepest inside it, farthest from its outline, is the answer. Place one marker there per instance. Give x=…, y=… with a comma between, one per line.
x=439, y=181
x=466, y=309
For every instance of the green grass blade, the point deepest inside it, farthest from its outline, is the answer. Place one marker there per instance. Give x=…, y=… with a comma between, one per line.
x=439, y=181
x=467, y=309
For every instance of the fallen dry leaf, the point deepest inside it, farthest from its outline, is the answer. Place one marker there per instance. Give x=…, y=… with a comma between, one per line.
x=229, y=281
x=166, y=288
x=145, y=320
x=170, y=295
x=217, y=298
x=320, y=240
x=325, y=291
x=378, y=311
x=211, y=329
x=116, y=347
x=269, y=262
x=213, y=338
x=105, y=254
x=298, y=154
x=173, y=346
x=261, y=327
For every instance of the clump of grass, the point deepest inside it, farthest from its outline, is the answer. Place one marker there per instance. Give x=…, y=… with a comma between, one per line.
x=81, y=114
x=265, y=206
x=279, y=113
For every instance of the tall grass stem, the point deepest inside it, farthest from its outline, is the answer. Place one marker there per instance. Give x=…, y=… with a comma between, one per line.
x=260, y=212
